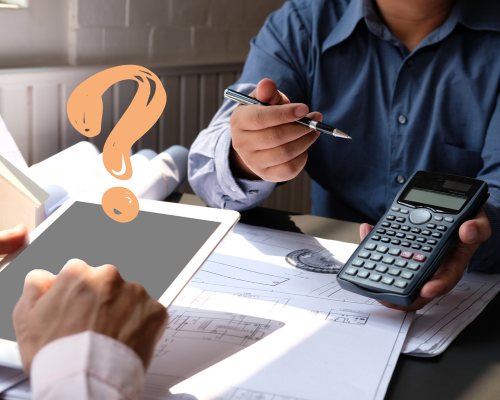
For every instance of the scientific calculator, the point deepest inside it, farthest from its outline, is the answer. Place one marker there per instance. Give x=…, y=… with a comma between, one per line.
x=407, y=245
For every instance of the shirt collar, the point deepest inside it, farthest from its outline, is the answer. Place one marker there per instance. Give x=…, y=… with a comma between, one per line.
x=355, y=11
x=474, y=14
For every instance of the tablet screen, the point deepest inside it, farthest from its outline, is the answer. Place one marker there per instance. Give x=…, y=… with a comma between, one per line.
x=152, y=250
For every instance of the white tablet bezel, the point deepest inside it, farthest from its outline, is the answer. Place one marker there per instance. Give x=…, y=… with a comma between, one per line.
x=9, y=353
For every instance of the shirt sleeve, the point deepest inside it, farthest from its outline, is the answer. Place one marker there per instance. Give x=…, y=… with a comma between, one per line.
x=87, y=365
x=278, y=52
x=209, y=172
x=487, y=258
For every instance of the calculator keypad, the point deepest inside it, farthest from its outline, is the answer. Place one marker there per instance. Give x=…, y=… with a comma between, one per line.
x=398, y=249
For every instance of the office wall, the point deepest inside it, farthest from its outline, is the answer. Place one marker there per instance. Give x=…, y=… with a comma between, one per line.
x=82, y=32
x=36, y=35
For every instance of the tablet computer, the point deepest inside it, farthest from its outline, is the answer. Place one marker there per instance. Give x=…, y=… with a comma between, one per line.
x=161, y=249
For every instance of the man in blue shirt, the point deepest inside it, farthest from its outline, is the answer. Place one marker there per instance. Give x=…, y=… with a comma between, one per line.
x=415, y=83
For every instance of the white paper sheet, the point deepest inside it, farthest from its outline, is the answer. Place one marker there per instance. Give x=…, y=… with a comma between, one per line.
x=320, y=342
x=439, y=323
x=8, y=147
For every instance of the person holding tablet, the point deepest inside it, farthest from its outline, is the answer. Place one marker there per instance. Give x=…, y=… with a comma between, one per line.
x=415, y=84
x=85, y=333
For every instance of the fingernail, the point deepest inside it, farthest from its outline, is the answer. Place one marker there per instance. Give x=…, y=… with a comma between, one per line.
x=472, y=235
x=301, y=110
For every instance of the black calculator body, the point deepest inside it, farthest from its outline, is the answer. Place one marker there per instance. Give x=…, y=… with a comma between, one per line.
x=407, y=245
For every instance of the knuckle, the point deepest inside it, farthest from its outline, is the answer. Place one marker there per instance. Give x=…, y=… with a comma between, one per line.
x=110, y=272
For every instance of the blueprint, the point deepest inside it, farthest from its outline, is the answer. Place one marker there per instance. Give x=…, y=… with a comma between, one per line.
x=252, y=326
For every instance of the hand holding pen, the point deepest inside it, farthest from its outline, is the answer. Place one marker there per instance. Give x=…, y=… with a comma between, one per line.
x=267, y=142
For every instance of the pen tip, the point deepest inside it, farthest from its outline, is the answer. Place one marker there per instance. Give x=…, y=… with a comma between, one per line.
x=341, y=134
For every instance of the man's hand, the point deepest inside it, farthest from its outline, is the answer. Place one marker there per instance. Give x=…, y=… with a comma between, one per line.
x=266, y=143
x=471, y=234
x=83, y=298
x=12, y=239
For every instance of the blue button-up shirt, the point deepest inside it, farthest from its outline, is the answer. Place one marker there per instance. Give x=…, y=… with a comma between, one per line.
x=435, y=108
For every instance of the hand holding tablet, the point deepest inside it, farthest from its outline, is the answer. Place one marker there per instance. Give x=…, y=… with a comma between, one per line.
x=161, y=249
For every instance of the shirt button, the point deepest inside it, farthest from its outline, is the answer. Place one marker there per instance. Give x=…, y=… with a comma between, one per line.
x=233, y=188
x=253, y=191
x=402, y=119
x=400, y=179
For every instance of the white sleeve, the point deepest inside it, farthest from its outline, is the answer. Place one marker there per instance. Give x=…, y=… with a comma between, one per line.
x=87, y=365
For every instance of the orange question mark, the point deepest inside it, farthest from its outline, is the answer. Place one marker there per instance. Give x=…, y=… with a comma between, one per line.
x=84, y=109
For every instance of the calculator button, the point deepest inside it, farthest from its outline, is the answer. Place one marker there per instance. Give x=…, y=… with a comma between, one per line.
x=438, y=217
x=442, y=228
x=388, y=260
x=387, y=280
x=394, y=208
x=351, y=271
x=395, y=252
x=376, y=257
x=427, y=249
x=413, y=266
x=411, y=237
x=382, y=249
x=386, y=224
x=437, y=235
x=416, y=246
x=400, y=219
x=381, y=231
x=375, y=238
x=404, y=211
x=391, y=217
x=432, y=242
x=364, y=254
x=400, y=235
x=426, y=232
x=394, y=271
x=381, y=268
x=401, y=284
x=405, y=244
x=370, y=265
x=396, y=241
x=449, y=219
x=421, y=239
x=431, y=226
x=390, y=233
x=358, y=263
x=406, y=275
x=419, y=257
x=363, y=274
x=415, y=230
x=385, y=240
x=370, y=246
x=401, y=263
x=405, y=228
x=395, y=226
x=420, y=216
x=407, y=254
x=375, y=277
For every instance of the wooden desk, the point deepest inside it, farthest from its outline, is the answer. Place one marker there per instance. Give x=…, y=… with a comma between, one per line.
x=468, y=370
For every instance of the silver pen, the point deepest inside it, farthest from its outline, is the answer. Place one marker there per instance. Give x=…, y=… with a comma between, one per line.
x=316, y=125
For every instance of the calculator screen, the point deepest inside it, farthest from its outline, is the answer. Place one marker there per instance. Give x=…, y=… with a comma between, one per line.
x=437, y=199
